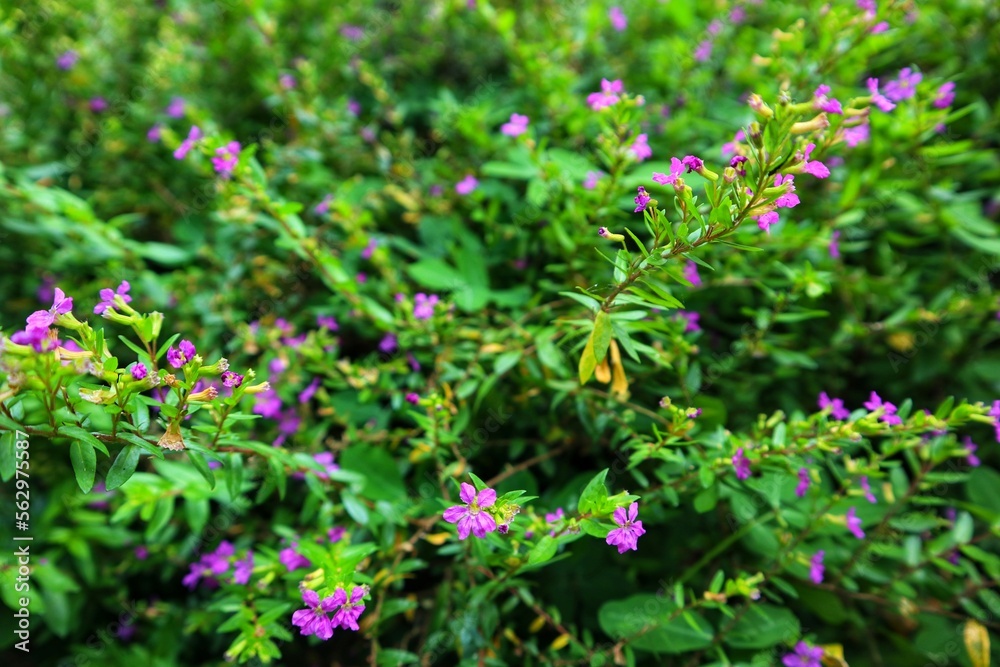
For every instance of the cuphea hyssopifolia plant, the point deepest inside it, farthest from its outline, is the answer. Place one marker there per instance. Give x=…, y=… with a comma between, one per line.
x=78, y=389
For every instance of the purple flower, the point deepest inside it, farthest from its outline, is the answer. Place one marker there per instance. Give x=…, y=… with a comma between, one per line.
x=804, y=656
x=854, y=525
x=742, y=464
x=866, y=487
x=904, y=87
x=889, y=414
x=834, y=247
x=676, y=169
x=413, y=398
x=857, y=134
x=193, y=135
x=209, y=566
x=306, y=394
x=414, y=364
x=353, y=107
x=67, y=59
x=470, y=517
x=176, y=107
x=292, y=559
x=43, y=319
x=324, y=206
x=108, y=297
x=945, y=95
x=838, y=410
x=244, y=568
x=608, y=96
x=995, y=413
x=352, y=32
x=690, y=320
x=971, y=447
x=313, y=620
x=142, y=552
x=640, y=148
x=627, y=535
x=226, y=158
x=878, y=98
x=730, y=147
x=788, y=199
x=423, y=305
x=139, y=371
x=804, y=481
x=815, y=167
x=816, y=567
x=641, y=200
x=517, y=125
x=618, y=20
x=388, y=344
x=466, y=185
x=766, y=220
x=153, y=136
x=182, y=354
x=231, y=379
x=824, y=103
x=691, y=273
x=693, y=163
x=286, y=81
x=336, y=533
x=327, y=322
x=591, y=181
x=325, y=459
x=350, y=610
x=267, y=404
x=553, y=517
x=703, y=51
x=369, y=249
x=739, y=164
x=98, y=104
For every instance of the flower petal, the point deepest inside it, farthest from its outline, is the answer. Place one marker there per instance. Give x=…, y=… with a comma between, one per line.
x=468, y=493
x=453, y=514
x=486, y=497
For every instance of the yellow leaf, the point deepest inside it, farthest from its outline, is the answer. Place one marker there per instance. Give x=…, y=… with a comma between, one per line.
x=833, y=655
x=537, y=624
x=437, y=539
x=559, y=642
x=977, y=643
x=587, y=360
x=619, y=388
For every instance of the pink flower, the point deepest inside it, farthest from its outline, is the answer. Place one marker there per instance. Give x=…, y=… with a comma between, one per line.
x=691, y=273
x=854, y=525
x=766, y=220
x=789, y=199
x=867, y=489
x=286, y=81
x=108, y=297
x=641, y=200
x=838, y=410
x=176, y=107
x=629, y=530
x=347, y=616
x=193, y=135
x=816, y=168
x=856, y=134
x=67, y=60
x=226, y=158
x=423, y=306
x=834, y=247
x=804, y=656
x=742, y=464
x=517, y=125
x=878, y=99
x=640, y=148
x=591, y=181
x=98, y=104
x=618, y=20
x=608, y=96
x=324, y=206
x=816, y=567
x=889, y=410
x=690, y=320
x=905, y=86
x=466, y=185
x=470, y=517
x=153, y=136
x=306, y=394
x=313, y=620
x=824, y=103
x=292, y=559
x=945, y=95
x=676, y=169
x=413, y=398
x=703, y=51
x=139, y=371
x=729, y=148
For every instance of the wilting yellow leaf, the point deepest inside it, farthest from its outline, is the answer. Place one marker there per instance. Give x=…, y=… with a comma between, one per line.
x=602, y=372
x=437, y=539
x=492, y=348
x=537, y=624
x=833, y=655
x=977, y=643
x=559, y=642
x=172, y=439
x=619, y=388
x=510, y=635
x=901, y=341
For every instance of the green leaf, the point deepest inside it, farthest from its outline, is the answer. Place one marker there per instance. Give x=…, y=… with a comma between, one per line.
x=763, y=626
x=543, y=551
x=601, y=335
x=84, y=460
x=123, y=467
x=594, y=494
x=379, y=470
x=654, y=624
x=76, y=433
x=436, y=274
x=201, y=465
x=8, y=459
x=983, y=488
x=142, y=443
x=588, y=362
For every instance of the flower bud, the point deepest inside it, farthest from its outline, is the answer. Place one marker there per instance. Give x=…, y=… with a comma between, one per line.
x=763, y=111
x=820, y=122
x=204, y=396
x=257, y=388
x=115, y=316
x=157, y=320
x=220, y=366
x=603, y=232
x=729, y=175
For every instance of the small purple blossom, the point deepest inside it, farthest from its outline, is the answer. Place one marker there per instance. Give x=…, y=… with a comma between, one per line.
x=98, y=104
x=838, y=411
x=742, y=464
x=592, y=178
x=67, y=59
x=880, y=100
x=108, y=297
x=814, y=167
x=693, y=163
x=691, y=273
x=640, y=149
x=267, y=404
x=388, y=344
x=825, y=103
x=142, y=552
x=788, y=199
x=353, y=107
x=324, y=206
x=244, y=568
x=608, y=96
x=553, y=517
x=676, y=169
x=176, y=107
x=889, y=415
x=834, y=247
x=971, y=447
x=423, y=305
x=231, y=379
x=327, y=322
x=286, y=81
x=854, y=524
x=618, y=20
x=857, y=134
x=516, y=126
x=867, y=489
x=352, y=32
x=703, y=51
x=153, y=136
x=690, y=319
x=470, y=517
x=313, y=620
x=905, y=86
x=139, y=371
x=193, y=135
x=182, y=354
x=306, y=394
x=730, y=147
x=369, y=249
x=804, y=656
x=739, y=164
x=627, y=535
x=413, y=398
x=766, y=220
x=816, y=567
x=226, y=158
x=804, y=481
x=641, y=200
x=292, y=559
x=995, y=413
x=466, y=185
x=336, y=534
x=945, y=95
x=347, y=615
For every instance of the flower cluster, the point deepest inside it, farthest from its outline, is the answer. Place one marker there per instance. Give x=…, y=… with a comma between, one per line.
x=211, y=567
x=346, y=611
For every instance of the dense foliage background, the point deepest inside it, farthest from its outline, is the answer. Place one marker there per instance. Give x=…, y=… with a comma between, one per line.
x=418, y=277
